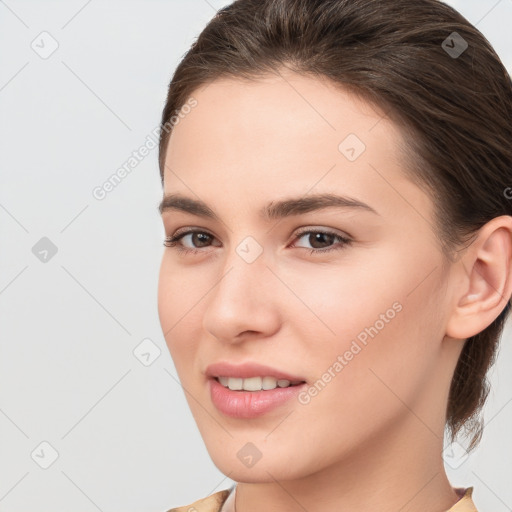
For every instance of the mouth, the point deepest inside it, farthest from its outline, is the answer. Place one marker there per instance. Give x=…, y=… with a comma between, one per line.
x=249, y=399
x=250, y=389
x=255, y=384
x=248, y=373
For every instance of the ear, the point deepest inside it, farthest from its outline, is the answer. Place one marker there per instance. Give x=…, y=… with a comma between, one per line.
x=484, y=280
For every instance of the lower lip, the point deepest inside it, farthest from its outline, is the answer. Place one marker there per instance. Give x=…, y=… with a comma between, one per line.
x=250, y=404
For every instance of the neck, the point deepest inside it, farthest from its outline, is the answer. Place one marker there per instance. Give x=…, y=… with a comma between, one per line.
x=400, y=471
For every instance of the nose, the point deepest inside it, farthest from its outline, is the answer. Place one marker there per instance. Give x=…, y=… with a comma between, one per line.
x=244, y=302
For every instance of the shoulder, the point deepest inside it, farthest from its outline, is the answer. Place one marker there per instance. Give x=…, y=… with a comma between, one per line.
x=212, y=503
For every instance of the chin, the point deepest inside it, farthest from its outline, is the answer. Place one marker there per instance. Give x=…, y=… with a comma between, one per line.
x=266, y=469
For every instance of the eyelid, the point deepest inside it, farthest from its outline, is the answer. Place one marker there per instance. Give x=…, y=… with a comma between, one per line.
x=322, y=229
x=301, y=231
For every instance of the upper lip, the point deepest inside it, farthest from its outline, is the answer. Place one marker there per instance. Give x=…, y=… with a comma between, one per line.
x=247, y=370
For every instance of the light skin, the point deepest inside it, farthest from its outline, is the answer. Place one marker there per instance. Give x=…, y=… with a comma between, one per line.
x=372, y=439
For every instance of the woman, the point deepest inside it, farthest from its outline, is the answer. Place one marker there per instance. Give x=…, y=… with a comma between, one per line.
x=338, y=263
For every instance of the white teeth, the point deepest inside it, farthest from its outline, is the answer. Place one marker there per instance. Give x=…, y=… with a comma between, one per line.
x=253, y=383
x=268, y=383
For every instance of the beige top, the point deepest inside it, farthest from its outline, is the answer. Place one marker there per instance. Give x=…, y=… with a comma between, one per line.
x=223, y=501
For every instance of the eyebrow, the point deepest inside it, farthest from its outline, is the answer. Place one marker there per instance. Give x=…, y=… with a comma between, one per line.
x=272, y=211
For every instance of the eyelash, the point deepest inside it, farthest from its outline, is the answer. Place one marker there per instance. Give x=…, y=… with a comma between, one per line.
x=172, y=241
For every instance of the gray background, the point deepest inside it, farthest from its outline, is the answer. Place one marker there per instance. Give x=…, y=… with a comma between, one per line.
x=69, y=324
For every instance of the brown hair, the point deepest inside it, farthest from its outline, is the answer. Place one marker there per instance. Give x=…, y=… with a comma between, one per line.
x=455, y=113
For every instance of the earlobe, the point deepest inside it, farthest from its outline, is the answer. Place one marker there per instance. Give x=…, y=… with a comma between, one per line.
x=486, y=286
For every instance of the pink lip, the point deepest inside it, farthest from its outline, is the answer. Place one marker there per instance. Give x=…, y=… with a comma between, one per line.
x=249, y=404
x=246, y=370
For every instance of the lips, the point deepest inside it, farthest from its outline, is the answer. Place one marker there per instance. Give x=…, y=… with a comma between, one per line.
x=247, y=370
x=247, y=405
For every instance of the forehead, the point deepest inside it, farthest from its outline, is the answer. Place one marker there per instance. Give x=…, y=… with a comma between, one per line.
x=286, y=134
x=287, y=105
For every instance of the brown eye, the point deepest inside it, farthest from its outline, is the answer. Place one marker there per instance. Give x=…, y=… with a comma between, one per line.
x=197, y=238
x=319, y=239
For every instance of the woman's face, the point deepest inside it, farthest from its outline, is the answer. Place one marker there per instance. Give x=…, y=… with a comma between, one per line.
x=361, y=322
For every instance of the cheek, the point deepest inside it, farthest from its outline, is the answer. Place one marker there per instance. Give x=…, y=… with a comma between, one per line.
x=371, y=335
x=360, y=387
x=179, y=293
x=178, y=305
x=165, y=297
